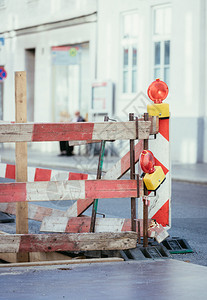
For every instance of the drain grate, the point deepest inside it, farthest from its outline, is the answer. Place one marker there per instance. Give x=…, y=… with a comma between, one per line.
x=177, y=246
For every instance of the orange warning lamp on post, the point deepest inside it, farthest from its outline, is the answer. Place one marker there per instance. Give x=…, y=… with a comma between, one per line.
x=154, y=175
x=157, y=92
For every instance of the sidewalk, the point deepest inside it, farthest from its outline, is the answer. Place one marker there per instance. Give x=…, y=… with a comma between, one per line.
x=195, y=173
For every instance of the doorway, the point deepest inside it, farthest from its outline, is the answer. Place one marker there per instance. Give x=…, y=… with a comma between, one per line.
x=30, y=73
x=70, y=81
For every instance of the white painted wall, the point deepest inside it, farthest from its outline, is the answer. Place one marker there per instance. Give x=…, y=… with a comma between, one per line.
x=188, y=65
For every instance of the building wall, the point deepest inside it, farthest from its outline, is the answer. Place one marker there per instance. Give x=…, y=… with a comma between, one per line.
x=41, y=24
x=187, y=97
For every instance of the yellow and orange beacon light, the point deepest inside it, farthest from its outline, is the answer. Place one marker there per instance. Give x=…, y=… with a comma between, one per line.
x=157, y=92
x=154, y=175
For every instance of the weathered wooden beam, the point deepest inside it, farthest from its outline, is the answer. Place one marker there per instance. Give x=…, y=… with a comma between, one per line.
x=21, y=155
x=63, y=262
x=67, y=242
x=67, y=190
x=78, y=131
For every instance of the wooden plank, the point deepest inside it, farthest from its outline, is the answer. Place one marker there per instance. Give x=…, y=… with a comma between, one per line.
x=65, y=262
x=15, y=243
x=67, y=190
x=79, y=143
x=117, y=171
x=21, y=155
x=78, y=131
x=41, y=174
x=82, y=224
x=35, y=212
x=34, y=256
x=81, y=205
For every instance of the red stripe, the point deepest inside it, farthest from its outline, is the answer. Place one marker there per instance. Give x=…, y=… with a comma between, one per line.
x=42, y=174
x=110, y=189
x=125, y=161
x=42, y=212
x=127, y=225
x=46, y=243
x=77, y=176
x=162, y=215
x=63, y=131
x=10, y=171
x=12, y=192
x=77, y=225
x=164, y=128
x=158, y=163
x=82, y=205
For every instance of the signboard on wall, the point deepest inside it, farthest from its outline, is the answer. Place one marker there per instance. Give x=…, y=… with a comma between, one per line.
x=102, y=98
x=66, y=55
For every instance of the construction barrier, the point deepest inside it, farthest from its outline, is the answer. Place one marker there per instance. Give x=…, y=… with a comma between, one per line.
x=85, y=190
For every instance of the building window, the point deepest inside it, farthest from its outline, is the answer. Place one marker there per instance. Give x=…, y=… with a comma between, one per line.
x=129, y=41
x=161, y=43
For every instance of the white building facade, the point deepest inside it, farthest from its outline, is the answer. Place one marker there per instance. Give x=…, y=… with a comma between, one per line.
x=66, y=45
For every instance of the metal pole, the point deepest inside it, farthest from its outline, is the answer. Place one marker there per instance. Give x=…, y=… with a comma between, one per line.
x=99, y=172
x=132, y=176
x=145, y=202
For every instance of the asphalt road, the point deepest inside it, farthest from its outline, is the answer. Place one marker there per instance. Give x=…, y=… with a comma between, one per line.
x=189, y=217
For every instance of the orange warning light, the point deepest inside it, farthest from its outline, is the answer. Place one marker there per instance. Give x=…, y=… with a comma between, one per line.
x=147, y=162
x=157, y=91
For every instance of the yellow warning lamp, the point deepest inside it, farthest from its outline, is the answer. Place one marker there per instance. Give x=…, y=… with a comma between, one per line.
x=157, y=92
x=154, y=175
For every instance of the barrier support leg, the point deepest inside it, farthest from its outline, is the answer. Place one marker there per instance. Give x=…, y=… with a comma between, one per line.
x=132, y=176
x=21, y=157
x=145, y=203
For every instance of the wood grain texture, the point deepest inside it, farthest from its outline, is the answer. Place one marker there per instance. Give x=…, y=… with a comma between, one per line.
x=37, y=132
x=21, y=155
x=65, y=262
x=82, y=224
x=67, y=242
x=67, y=190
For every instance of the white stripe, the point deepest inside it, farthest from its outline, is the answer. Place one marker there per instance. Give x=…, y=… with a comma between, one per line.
x=32, y=210
x=59, y=175
x=114, y=131
x=72, y=211
x=91, y=177
x=55, y=190
x=4, y=207
x=10, y=244
x=162, y=196
x=57, y=224
x=160, y=147
x=2, y=170
x=109, y=225
x=114, y=172
x=31, y=174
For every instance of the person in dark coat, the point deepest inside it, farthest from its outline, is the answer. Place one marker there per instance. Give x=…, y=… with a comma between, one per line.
x=65, y=149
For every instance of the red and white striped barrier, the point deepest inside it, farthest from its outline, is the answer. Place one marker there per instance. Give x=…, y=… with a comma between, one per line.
x=35, y=212
x=67, y=190
x=78, y=131
x=42, y=174
x=160, y=205
x=116, y=172
x=82, y=224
